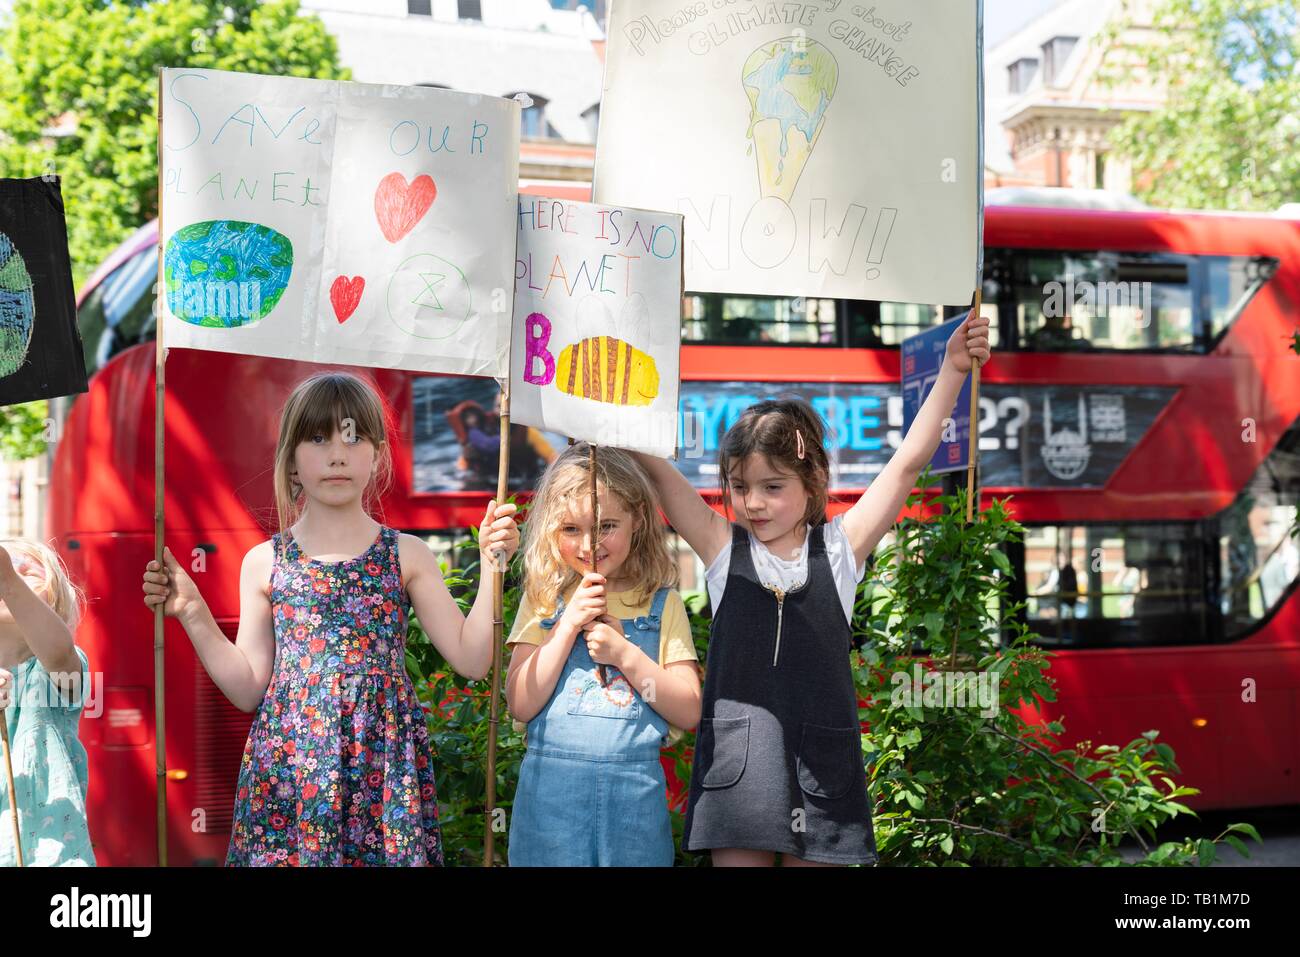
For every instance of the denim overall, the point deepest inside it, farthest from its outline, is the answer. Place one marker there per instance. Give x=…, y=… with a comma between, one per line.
x=591, y=789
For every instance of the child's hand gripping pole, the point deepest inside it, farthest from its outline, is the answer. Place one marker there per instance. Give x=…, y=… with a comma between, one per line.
x=498, y=536
x=595, y=539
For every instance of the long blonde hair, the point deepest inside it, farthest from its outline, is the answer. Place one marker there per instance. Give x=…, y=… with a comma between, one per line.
x=323, y=403
x=649, y=564
x=58, y=591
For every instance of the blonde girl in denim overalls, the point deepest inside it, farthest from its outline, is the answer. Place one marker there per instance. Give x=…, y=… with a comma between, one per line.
x=591, y=787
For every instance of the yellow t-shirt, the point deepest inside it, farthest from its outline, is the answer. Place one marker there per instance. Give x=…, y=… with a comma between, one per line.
x=675, y=642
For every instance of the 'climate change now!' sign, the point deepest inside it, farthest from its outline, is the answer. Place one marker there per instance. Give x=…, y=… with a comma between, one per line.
x=817, y=149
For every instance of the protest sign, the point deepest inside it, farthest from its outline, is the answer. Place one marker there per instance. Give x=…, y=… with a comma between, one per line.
x=41, y=353
x=338, y=222
x=816, y=149
x=597, y=323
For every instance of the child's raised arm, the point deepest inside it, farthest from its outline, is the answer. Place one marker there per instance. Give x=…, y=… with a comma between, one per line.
x=46, y=634
x=705, y=530
x=872, y=515
x=464, y=640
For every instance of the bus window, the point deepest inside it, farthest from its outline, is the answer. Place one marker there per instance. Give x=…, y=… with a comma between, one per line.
x=1259, y=561
x=1085, y=300
x=118, y=313
x=881, y=325
x=1115, y=585
x=1231, y=283
x=1156, y=583
x=712, y=318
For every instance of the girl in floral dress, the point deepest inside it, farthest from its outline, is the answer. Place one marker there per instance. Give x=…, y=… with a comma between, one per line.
x=337, y=769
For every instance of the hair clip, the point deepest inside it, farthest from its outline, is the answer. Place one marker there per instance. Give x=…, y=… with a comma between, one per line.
x=799, y=440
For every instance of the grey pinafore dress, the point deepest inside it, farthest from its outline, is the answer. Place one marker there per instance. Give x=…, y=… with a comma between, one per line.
x=778, y=757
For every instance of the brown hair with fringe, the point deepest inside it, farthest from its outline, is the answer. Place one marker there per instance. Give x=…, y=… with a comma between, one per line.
x=324, y=403
x=567, y=480
x=773, y=428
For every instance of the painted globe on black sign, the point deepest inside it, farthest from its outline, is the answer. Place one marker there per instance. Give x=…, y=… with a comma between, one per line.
x=17, y=308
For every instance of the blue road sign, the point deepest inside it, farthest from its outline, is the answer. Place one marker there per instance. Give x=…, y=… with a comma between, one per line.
x=922, y=359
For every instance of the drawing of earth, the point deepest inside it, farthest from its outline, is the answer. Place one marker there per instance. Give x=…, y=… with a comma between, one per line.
x=428, y=297
x=17, y=308
x=224, y=273
x=790, y=82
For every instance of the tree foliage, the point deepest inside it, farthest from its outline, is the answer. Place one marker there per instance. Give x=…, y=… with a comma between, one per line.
x=1225, y=138
x=90, y=67
x=24, y=430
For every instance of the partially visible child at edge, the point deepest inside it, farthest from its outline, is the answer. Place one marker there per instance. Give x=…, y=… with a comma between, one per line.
x=337, y=769
x=44, y=682
x=591, y=787
x=778, y=762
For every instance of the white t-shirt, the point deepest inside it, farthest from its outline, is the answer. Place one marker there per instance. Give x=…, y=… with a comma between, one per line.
x=786, y=575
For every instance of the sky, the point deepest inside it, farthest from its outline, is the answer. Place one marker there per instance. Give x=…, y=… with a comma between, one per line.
x=1004, y=17
x=1001, y=17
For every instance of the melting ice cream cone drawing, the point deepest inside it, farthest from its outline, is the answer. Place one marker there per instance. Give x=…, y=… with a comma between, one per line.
x=790, y=83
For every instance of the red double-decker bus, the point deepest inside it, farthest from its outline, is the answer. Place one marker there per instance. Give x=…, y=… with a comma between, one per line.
x=1142, y=406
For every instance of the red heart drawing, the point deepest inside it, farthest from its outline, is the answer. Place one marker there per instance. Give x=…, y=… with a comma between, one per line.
x=345, y=295
x=398, y=207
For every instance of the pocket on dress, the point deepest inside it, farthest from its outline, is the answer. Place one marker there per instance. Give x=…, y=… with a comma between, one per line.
x=723, y=744
x=616, y=700
x=828, y=760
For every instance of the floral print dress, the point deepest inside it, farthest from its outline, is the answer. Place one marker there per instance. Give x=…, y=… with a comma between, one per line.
x=337, y=770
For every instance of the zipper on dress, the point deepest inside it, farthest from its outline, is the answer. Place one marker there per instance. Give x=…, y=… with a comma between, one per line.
x=780, y=612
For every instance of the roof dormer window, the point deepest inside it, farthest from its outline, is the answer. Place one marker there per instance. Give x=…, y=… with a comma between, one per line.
x=1055, y=52
x=1021, y=73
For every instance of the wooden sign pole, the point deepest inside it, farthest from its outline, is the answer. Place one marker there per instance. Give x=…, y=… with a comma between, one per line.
x=972, y=452
x=601, y=673
x=498, y=631
x=13, y=795
x=972, y=456
x=160, y=712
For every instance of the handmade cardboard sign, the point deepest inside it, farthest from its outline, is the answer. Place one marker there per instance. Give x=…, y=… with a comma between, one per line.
x=41, y=353
x=597, y=323
x=819, y=148
x=338, y=222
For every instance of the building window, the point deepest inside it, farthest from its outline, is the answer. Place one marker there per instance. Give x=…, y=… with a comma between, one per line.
x=1099, y=170
x=591, y=116
x=419, y=8
x=469, y=9
x=1021, y=73
x=533, y=122
x=1055, y=52
x=597, y=7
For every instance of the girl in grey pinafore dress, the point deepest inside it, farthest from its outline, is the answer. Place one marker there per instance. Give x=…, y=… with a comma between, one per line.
x=778, y=759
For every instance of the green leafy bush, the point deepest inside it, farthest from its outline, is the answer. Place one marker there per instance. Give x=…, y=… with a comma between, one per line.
x=951, y=785
x=963, y=784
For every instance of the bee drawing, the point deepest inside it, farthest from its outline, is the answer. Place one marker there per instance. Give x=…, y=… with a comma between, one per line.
x=607, y=369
